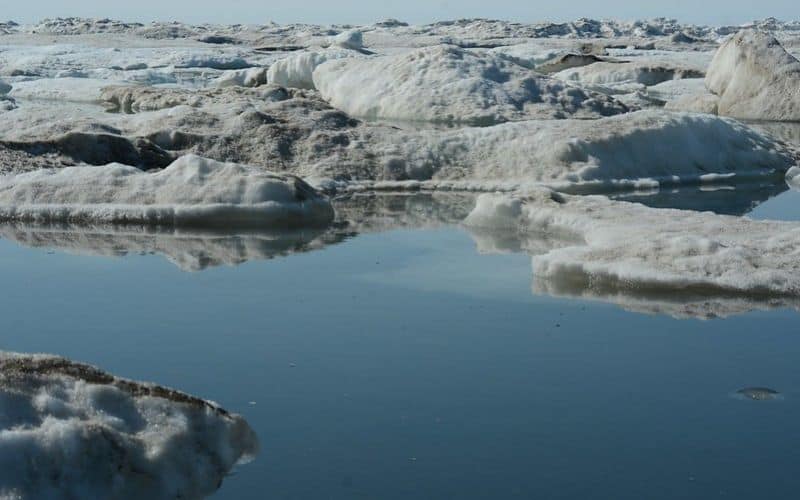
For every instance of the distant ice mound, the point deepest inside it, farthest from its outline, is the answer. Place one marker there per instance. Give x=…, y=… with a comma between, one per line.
x=69, y=430
x=638, y=149
x=192, y=191
x=604, y=75
x=613, y=248
x=754, y=78
x=297, y=70
x=447, y=84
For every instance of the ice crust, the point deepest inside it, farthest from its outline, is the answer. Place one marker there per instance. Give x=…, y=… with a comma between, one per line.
x=69, y=430
x=192, y=191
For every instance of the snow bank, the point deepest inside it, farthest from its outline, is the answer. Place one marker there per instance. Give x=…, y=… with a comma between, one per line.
x=72, y=431
x=645, y=148
x=297, y=70
x=192, y=191
x=755, y=78
x=451, y=85
x=618, y=247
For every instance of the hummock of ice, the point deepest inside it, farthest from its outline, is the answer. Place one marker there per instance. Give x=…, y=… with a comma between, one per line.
x=755, y=78
x=69, y=430
x=192, y=191
x=297, y=70
x=616, y=249
x=451, y=85
x=640, y=149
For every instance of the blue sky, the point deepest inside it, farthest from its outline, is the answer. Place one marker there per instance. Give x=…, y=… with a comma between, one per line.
x=414, y=11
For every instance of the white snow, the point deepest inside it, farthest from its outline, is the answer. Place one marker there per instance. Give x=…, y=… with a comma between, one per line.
x=192, y=191
x=612, y=248
x=755, y=78
x=72, y=431
x=452, y=85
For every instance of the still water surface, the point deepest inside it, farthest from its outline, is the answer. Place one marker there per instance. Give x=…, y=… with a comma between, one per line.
x=404, y=364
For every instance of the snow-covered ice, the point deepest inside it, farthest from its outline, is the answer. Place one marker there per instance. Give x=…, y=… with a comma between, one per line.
x=192, y=191
x=69, y=430
x=451, y=85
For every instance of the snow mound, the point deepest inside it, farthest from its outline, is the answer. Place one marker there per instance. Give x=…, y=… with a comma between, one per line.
x=297, y=70
x=69, y=430
x=618, y=247
x=645, y=148
x=351, y=39
x=451, y=85
x=755, y=78
x=192, y=191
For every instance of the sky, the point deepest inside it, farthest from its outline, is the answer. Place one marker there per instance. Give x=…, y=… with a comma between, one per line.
x=714, y=12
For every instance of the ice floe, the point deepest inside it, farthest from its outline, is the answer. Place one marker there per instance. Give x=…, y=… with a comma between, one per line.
x=618, y=251
x=297, y=70
x=69, y=430
x=192, y=191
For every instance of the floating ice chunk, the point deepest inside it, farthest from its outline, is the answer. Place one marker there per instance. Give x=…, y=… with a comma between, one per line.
x=452, y=85
x=192, y=191
x=69, y=430
x=621, y=247
x=755, y=78
x=645, y=148
x=297, y=70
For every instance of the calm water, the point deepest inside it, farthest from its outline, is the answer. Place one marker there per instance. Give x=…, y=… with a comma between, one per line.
x=404, y=364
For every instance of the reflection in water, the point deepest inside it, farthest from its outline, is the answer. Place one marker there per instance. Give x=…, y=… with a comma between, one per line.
x=72, y=431
x=199, y=250
x=683, y=304
x=758, y=394
x=190, y=251
x=728, y=200
x=377, y=212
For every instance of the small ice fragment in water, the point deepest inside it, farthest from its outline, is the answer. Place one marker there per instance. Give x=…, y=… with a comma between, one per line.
x=758, y=394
